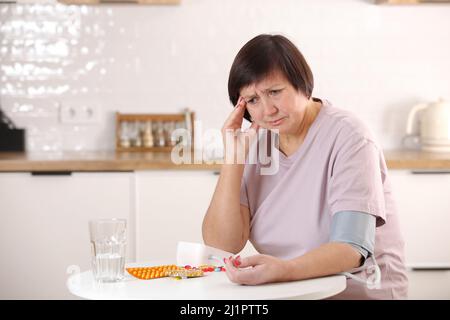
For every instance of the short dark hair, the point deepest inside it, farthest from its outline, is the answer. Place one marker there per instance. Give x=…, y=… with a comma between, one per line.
x=263, y=55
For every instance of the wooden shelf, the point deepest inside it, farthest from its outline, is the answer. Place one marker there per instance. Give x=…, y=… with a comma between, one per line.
x=186, y=119
x=144, y=149
x=151, y=117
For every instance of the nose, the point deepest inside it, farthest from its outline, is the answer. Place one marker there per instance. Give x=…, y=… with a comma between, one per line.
x=269, y=108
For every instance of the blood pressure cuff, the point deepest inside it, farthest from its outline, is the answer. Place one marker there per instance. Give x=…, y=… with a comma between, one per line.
x=355, y=228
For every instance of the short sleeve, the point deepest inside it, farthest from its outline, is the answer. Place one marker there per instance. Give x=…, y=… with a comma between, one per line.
x=244, y=194
x=356, y=181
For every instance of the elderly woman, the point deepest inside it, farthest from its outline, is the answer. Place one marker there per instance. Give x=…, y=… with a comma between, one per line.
x=329, y=207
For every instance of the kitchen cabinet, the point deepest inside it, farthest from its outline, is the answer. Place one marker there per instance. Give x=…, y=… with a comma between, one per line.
x=423, y=201
x=44, y=227
x=170, y=206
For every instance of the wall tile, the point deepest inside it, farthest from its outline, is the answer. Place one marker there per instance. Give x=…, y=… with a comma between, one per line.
x=376, y=61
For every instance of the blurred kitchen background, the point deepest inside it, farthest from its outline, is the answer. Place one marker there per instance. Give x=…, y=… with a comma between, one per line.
x=65, y=70
x=375, y=60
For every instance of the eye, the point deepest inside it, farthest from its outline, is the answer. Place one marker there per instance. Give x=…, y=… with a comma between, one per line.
x=274, y=92
x=252, y=101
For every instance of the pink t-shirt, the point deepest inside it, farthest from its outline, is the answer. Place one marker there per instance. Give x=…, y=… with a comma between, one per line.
x=338, y=167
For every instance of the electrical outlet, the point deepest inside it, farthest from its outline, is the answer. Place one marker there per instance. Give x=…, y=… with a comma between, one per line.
x=81, y=113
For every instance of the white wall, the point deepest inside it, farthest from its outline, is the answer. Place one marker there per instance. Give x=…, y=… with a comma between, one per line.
x=375, y=60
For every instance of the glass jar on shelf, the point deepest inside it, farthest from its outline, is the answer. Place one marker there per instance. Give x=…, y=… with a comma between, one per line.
x=171, y=139
x=147, y=135
x=136, y=134
x=160, y=139
x=124, y=134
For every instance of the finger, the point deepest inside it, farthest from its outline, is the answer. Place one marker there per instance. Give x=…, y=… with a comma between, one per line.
x=237, y=261
x=233, y=264
x=241, y=101
x=238, y=112
x=251, y=261
x=241, y=276
x=230, y=270
x=238, y=108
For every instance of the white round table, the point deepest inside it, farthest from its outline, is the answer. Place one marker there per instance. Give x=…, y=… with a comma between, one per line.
x=212, y=286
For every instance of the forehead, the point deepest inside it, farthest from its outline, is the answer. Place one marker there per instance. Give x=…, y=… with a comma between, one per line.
x=267, y=82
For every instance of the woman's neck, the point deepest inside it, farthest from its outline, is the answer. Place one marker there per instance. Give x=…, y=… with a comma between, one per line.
x=289, y=143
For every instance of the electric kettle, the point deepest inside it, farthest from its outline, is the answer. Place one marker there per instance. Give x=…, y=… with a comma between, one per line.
x=434, y=125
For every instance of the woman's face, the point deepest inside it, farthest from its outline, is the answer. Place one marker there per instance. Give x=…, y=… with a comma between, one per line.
x=274, y=103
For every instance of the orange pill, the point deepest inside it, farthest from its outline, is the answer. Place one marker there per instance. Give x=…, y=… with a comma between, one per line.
x=152, y=272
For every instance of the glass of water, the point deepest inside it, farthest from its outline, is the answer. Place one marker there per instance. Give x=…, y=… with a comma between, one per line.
x=108, y=244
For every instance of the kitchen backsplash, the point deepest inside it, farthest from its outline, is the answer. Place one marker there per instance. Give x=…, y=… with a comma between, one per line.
x=377, y=61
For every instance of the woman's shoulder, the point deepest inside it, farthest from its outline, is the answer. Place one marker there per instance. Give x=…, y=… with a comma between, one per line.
x=345, y=124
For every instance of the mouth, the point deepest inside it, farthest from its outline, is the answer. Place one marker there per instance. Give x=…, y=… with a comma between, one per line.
x=276, y=122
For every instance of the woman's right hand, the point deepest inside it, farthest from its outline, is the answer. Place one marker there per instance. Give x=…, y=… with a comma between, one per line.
x=236, y=145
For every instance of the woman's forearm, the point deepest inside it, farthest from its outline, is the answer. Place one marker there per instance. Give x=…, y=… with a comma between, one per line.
x=328, y=259
x=223, y=225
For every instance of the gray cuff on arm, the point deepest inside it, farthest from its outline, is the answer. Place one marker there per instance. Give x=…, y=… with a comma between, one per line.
x=355, y=228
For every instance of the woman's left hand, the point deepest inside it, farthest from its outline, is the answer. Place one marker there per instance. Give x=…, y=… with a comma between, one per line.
x=257, y=269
